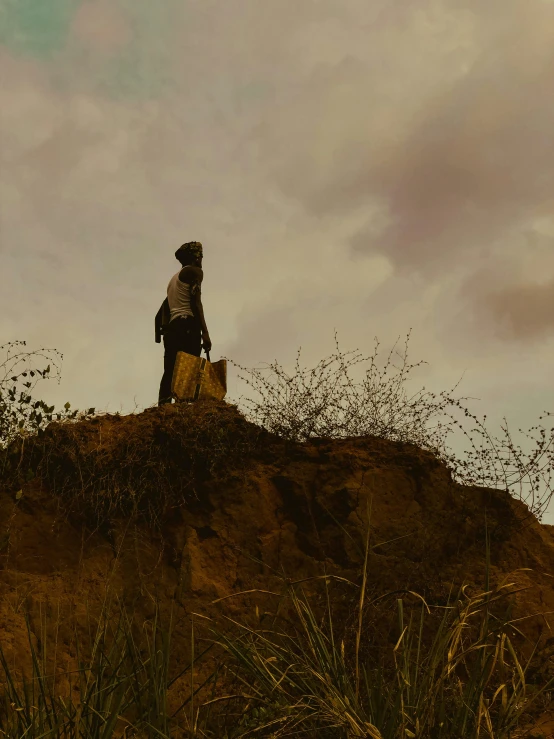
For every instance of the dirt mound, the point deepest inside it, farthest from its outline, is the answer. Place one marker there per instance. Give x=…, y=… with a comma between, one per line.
x=192, y=504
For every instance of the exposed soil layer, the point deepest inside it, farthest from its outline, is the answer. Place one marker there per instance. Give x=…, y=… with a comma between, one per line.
x=191, y=504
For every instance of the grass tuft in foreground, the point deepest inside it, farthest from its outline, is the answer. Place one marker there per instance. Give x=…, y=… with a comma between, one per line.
x=118, y=689
x=453, y=671
x=469, y=683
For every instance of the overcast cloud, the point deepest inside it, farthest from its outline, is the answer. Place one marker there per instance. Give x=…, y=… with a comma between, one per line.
x=365, y=166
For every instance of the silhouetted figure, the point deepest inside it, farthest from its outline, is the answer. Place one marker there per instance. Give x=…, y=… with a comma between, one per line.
x=180, y=319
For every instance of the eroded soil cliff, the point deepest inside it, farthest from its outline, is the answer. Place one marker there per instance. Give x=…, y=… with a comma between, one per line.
x=190, y=504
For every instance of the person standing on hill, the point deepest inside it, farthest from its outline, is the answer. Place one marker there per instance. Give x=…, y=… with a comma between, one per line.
x=180, y=319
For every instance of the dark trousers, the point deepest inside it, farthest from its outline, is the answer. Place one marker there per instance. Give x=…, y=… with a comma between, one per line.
x=180, y=335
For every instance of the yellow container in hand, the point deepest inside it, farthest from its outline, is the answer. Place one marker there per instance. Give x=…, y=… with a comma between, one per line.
x=196, y=378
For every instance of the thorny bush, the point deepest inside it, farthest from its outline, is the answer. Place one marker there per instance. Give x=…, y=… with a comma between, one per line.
x=324, y=401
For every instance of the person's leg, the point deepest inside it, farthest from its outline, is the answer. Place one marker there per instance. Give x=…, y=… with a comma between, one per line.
x=182, y=335
x=191, y=339
x=170, y=354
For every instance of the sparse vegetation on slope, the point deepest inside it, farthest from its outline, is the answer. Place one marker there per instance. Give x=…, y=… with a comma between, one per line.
x=324, y=401
x=239, y=502
x=21, y=414
x=466, y=680
x=452, y=671
x=112, y=466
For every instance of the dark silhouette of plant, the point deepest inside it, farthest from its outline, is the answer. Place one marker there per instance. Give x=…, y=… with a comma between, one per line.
x=20, y=413
x=324, y=401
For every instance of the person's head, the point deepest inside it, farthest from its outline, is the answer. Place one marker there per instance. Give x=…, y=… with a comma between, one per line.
x=190, y=253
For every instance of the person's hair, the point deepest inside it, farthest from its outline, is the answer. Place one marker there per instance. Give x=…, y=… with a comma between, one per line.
x=188, y=252
x=183, y=257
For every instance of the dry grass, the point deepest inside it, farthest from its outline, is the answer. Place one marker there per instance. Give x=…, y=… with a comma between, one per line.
x=453, y=670
x=116, y=686
x=116, y=466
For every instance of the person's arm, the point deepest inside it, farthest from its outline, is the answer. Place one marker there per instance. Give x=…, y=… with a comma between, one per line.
x=162, y=318
x=199, y=312
x=194, y=276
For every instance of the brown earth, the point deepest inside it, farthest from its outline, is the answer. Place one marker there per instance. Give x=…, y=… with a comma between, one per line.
x=268, y=510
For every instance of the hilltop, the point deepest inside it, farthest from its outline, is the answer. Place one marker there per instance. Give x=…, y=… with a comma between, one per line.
x=191, y=504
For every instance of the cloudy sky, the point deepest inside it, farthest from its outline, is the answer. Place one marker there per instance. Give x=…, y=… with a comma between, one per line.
x=368, y=166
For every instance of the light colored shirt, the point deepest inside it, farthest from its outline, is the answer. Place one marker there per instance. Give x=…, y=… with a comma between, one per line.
x=179, y=297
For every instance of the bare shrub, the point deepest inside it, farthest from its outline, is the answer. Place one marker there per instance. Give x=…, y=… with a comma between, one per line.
x=325, y=401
